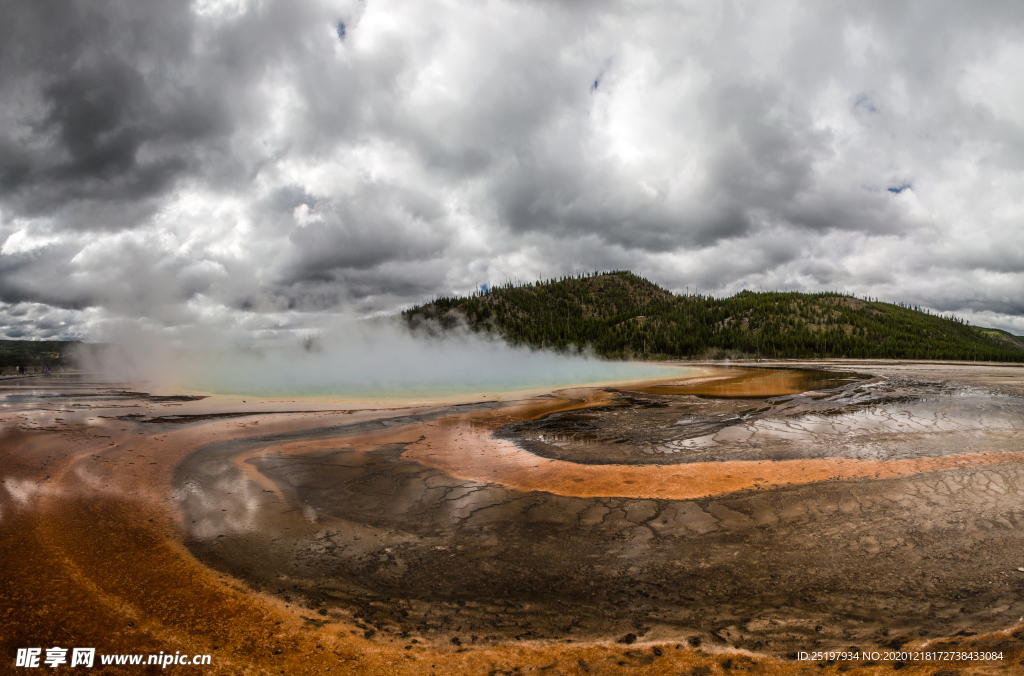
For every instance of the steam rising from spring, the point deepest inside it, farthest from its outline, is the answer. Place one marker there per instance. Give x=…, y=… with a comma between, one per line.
x=375, y=360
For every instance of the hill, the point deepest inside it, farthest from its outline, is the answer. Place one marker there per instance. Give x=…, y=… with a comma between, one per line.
x=621, y=315
x=1003, y=338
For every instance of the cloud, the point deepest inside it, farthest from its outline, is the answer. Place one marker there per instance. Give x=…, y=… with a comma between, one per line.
x=245, y=165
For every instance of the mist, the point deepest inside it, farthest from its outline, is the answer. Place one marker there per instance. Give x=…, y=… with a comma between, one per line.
x=379, y=359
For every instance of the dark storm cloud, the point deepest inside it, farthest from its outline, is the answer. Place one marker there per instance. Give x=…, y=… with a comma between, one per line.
x=380, y=224
x=92, y=112
x=222, y=161
x=41, y=277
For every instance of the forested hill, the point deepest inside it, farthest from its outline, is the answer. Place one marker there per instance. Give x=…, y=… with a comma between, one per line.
x=621, y=315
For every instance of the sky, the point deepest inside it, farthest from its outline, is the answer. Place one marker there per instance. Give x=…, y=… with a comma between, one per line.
x=262, y=168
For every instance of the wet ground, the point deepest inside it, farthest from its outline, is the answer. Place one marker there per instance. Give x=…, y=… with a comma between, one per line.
x=407, y=549
x=700, y=527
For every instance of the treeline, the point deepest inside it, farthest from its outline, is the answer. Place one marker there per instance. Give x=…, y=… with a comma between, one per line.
x=620, y=315
x=36, y=353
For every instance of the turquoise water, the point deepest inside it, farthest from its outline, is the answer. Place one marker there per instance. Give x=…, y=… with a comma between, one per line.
x=426, y=369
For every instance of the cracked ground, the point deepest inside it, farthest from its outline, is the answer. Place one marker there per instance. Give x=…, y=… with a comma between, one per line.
x=427, y=526
x=701, y=527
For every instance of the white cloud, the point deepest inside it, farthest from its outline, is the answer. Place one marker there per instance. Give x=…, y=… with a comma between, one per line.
x=235, y=163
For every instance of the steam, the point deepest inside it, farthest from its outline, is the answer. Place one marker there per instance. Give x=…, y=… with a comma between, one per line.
x=376, y=359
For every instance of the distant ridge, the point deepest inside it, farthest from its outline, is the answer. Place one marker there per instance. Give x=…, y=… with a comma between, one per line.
x=620, y=315
x=36, y=353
